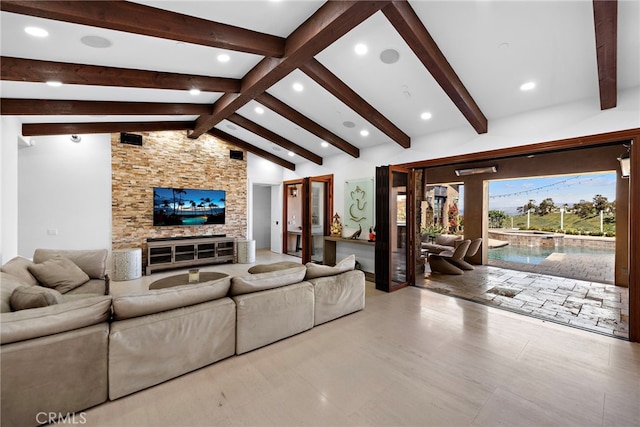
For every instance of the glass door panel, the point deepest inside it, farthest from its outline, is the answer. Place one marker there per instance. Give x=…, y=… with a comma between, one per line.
x=292, y=238
x=398, y=227
x=318, y=222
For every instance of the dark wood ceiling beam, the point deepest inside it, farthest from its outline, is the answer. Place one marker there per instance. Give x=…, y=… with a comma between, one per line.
x=274, y=137
x=304, y=122
x=404, y=19
x=30, y=70
x=149, y=21
x=333, y=20
x=49, y=107
x=605, y=18
x=251, y=148
x=329, y=81
x=39, y=129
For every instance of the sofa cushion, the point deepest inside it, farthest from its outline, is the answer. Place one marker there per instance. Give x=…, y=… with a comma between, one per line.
x=317, y=270
x=261, y=281
x=276, y=266
x=93, y=286
x=59, y=273
x=19, y=267
x=158, y=300
x=91, y=261
x=38, y=322
x=25, y=297
x=338, y=295
x=8, y=284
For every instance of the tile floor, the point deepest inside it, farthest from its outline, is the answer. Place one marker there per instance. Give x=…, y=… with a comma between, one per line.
x=597, y=307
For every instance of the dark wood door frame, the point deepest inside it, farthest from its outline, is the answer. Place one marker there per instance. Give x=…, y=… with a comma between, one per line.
x=384, y=244
x=307, y=237
x=305, y=220
x=631, y=135
x=285, y=211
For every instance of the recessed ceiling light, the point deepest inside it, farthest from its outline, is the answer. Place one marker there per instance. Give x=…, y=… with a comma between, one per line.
x=348, y=124
x=291, y=153
x=54, y=83
x=527, y=86
x=425, y=116
x=259, y=110
x=223, y=57
x=194, y=91
x=36, y=32
x=276, y=148
x=389, y=56
x=232, y=127
x=364, y=132
x=324, y=144
x=96, y=41
x=361, y=49
x=298, y=87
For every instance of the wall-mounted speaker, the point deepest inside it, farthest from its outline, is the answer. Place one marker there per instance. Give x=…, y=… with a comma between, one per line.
x=131, y=139
x=236, y=154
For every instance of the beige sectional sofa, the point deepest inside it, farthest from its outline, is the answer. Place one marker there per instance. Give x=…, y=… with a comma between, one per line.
x=54, y=349
x=148, y=343
x=97, y=347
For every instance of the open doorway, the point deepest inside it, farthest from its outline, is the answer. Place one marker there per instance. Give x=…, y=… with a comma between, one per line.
x=563, y=225
x=266, y=227
x=597, y=305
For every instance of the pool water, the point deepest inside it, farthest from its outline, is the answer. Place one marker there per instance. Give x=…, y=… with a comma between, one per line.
x=535, y=254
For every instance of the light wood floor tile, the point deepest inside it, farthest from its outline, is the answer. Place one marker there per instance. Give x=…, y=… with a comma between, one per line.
x=410, y=358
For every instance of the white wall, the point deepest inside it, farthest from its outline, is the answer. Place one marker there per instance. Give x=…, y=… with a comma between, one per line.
x=261, y=171
x=67, y=187
x=64, y=196
x=562, y=121
x=9, y=188
x=262, y=216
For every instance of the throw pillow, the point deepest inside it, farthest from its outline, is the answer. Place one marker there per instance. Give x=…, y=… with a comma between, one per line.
x=25, y=297
x=273, y=279
x=59, y=273
x=91, y=261
x=19, y=267
x=317, y=270
x=276, y=266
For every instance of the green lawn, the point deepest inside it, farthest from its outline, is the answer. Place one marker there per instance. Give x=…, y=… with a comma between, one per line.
x=573, y=224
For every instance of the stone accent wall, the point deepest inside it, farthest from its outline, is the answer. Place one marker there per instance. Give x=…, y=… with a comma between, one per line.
x=170, y=159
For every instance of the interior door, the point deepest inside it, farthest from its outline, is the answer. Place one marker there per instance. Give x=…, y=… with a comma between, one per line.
x=395, y=209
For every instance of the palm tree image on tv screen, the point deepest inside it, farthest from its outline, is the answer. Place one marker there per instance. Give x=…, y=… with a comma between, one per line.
x=187, y=206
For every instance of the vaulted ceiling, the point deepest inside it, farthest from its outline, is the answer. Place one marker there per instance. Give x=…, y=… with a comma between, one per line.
x=282, y=77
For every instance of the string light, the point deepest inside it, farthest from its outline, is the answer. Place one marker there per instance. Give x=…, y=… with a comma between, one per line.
x=538, y=189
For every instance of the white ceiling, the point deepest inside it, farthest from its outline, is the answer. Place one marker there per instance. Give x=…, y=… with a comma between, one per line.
x=494, y=47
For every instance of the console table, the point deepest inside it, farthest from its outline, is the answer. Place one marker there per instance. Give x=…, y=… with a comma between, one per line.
x=164, y=254
x=336, y=248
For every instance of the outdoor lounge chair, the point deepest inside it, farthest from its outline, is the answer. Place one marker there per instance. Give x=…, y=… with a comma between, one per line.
x=445, y=261
x=471, y=251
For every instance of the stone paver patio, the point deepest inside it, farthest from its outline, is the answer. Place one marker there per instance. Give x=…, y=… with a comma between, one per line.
x=589, y=304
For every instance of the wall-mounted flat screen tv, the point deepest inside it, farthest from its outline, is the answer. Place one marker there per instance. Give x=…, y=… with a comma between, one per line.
x=186, y=206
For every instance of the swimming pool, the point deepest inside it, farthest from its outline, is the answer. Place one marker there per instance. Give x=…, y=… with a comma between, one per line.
x=535, y=254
